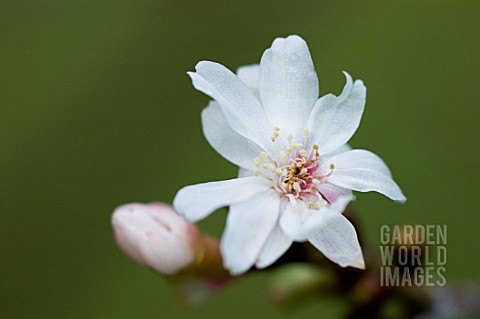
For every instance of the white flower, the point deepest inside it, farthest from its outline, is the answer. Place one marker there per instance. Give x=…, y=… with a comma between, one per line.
x=296, y=171
x=156, y=236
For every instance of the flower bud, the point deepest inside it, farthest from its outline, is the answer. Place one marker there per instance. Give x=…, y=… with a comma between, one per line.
x=156, y=236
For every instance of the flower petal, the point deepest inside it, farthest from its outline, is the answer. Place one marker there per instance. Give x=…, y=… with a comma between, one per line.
x=363, y=171
x=298, y=222
x=293, y=221
x=276, y=245
x=331, y=192
x=242, y=172
x=337, y=239
x=241, y=108
x=234, y=147
x=360, y=158
x=155, y=235
x=196, y=202
x=288, y=84
x=334, y=120
x=250, y=75
x=248, y=225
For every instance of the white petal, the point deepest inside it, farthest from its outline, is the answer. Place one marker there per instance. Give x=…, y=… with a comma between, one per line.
x=234, y=147
x=363, y=171
x=319, y=217
x=288, y=84
x=249, y=74
x=242, y=172
x=276, y=245
x=196, y=202
x=298, y=222
x=248, y=225
x=360, y=158
x=334, y=120
x=337, y=239
x=341, y=149
x=241, y=108
x=293, y=220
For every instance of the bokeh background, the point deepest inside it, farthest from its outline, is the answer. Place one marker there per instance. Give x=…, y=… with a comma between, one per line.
x=96, y=110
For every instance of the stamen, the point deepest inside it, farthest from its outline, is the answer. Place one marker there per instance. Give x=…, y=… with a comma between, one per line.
x=306, y=132
x=317, y=154
x=275, y=133
x=270, y=167
x=296, y=187
x=303, y=153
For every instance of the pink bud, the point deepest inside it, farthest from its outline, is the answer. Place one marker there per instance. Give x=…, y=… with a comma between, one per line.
x=155, y=235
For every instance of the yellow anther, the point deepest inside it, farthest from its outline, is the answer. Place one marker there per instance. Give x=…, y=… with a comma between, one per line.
x=306, y=132
x=315, y=181
x=275, y=133
x=295, y=146
x=310, y=205
x=275, y=182
x=303, y=153
x=318, y=204
x=256, y=173
x=257, y=161
x=263, y=156
x=315, y=147
x=278, y=171
x=303, y=171
x=332, y=166
x=270, y=167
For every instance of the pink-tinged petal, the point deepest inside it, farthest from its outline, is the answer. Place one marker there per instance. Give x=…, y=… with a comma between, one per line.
x=196, y=202
x=334, y=120
x=228, y=143
x=155, y=235
x=241, y=108
x=363, y=171
x=288, y=84
x=332, y=192
x=275, y=246
x=337, y=239
x=250, y=75
x=248, y=225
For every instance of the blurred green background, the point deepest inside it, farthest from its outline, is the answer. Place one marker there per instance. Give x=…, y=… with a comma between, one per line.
x=96, y=110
